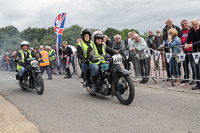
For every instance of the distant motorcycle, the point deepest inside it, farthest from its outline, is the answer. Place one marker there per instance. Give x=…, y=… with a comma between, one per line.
x=113, y=80
x=32, y=78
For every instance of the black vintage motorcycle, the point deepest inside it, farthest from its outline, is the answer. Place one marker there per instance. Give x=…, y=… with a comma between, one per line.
x=113, y=80
x=32, y=78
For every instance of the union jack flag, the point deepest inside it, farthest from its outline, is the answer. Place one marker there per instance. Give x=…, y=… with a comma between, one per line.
x=59, y=26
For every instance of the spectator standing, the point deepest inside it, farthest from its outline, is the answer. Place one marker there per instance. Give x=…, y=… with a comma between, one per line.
x=174, y=43
x=107, y=41
x=129, y=39
x=158, y=40
x=150, y=40
x=139, y=45
x=67, y=53
x=45, y=65
x=188, y=57
x=7, y=61
x=118, y=44
x=11, y=60
x=194, y=37
x=73, y=58
x=14, y=63
x=52, y=56
x=169, y=25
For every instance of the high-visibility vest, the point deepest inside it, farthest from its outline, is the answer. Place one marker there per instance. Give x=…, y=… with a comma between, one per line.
x=54, y=56
x=22, y=58
x=84, y=47
x=45, y=58
x=97, y=55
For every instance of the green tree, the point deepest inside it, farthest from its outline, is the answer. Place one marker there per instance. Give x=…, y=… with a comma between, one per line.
x=71, y=34
x=111, y=32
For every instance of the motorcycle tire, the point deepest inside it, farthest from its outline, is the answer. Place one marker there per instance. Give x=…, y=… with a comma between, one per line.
x=39, y=84
x=131, y=90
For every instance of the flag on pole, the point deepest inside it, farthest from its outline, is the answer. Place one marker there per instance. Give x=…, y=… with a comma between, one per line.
x=59, y=27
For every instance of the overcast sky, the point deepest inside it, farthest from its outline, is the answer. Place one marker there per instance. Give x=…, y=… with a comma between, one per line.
x=99, y=14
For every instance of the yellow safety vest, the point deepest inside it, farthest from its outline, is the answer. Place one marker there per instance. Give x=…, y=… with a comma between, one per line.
x=22, y=58
x=84, y=47
x=97, y=55
x=54, y=56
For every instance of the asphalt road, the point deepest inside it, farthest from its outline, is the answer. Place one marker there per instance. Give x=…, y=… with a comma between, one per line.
x=65, y=107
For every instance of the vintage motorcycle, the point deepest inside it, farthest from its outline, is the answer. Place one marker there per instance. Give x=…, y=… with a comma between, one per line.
x=32, y=78
x=115, y=81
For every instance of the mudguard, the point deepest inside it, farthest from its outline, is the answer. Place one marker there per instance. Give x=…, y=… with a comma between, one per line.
x=37, y=71
x=123, y=71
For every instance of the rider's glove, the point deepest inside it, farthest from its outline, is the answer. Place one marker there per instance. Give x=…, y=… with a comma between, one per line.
x=85, y=61
x=95, y=60
x=21, y=64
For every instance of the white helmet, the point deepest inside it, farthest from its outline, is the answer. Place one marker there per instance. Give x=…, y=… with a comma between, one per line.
x=98, y=34
x=24, y=43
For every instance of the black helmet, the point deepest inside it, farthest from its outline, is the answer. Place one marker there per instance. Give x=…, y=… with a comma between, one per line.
x=85, y=31
x=98, y=34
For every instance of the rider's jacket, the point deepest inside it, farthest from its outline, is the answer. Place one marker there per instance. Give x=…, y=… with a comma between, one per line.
x=99, y=51
x=21, y=56
x=82, y=48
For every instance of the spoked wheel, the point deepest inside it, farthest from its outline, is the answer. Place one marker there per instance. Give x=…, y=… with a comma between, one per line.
x=125, y=91
x=39, y=84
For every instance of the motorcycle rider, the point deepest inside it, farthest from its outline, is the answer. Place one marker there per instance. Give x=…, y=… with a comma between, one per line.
x=96, y=53
x=82, y=47
x=21, y=57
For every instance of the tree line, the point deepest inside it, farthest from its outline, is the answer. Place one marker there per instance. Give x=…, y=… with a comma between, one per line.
x=10, y=36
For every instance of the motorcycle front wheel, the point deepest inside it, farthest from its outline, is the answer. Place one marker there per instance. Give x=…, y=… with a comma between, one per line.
x=125, y=90
x=39, y=84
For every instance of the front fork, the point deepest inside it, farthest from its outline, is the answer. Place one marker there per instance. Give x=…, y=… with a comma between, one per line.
x=115, y=79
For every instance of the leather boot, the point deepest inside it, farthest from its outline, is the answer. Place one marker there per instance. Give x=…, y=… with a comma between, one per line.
x=21, y=81
x=86, y=79
x=93, y=84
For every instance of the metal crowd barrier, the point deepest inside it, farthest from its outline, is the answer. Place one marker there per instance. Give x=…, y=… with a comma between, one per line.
x=185, y=63
x=142, y=67
x=167, y=66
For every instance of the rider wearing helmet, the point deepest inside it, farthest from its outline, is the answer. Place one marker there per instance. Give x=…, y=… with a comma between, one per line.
x=22, y=56
x=96, y=53
x=82, y=47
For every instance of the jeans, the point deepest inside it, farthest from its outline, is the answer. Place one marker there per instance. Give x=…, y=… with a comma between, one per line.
x=21, y=71
x=94, y=69
x=48, y=70
x=189, y=59
x=197, y=66
x=175, y=68
x=136, y=65
x=84, y=68
x=145, y=67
